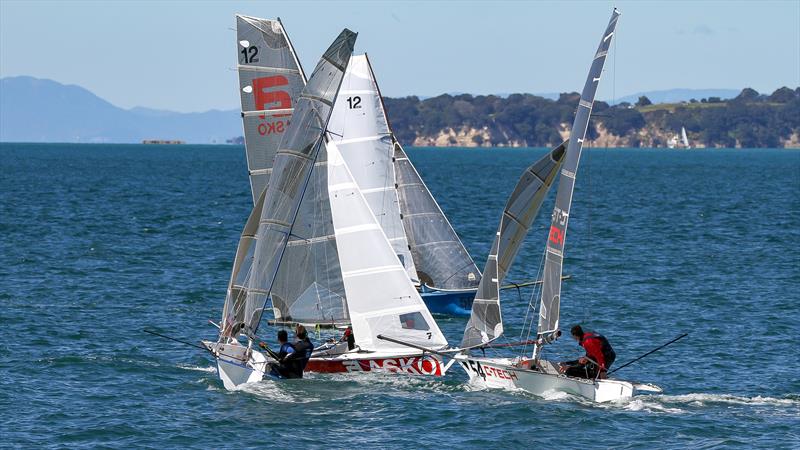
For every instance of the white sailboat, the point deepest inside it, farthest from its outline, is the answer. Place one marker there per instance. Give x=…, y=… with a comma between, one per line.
x=685, y=139
x=533, y=373
x=287, y=255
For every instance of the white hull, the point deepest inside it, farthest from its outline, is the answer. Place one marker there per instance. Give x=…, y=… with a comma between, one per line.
x=503, y=373
x=236, y=364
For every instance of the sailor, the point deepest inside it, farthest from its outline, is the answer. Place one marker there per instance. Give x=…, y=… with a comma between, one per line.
x=599, y=355
x=349, y=338
x=280, y=368
x=296, y=362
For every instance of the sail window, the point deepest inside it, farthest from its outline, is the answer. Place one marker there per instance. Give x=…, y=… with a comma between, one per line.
x=414, y=321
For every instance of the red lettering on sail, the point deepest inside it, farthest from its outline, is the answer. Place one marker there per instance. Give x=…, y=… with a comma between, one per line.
x=556, y=235
x=279, y=99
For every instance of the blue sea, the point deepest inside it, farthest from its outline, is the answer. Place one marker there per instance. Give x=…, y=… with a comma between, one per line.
x=102, y=241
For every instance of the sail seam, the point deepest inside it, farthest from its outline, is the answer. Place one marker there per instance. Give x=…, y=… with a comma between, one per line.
x=247, y=68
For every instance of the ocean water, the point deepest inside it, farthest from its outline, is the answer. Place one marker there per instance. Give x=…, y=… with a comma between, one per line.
x=102, y=241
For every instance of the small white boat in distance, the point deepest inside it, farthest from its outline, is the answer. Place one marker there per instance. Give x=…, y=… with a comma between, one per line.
x=533, y=373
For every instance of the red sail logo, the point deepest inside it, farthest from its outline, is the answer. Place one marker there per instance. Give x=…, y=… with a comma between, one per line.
x=556, y=235
x=266, y=97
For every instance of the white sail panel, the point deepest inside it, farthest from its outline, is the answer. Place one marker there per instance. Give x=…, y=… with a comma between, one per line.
x=380, y=297
x=359, y=127
x=270, y=81
x=440, y=257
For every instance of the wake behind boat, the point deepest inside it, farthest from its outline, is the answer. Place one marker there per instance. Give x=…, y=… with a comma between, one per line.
x=533, y=373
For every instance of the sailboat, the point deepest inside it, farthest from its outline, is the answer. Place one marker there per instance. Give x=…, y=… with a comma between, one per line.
x=685, y=139
x=535, y=374
x=287, y=255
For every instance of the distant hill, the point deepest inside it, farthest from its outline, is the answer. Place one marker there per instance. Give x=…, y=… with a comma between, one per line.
x=40, y=110
x=677, y=95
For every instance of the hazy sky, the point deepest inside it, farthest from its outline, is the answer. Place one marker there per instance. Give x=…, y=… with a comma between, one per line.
x=180, y=55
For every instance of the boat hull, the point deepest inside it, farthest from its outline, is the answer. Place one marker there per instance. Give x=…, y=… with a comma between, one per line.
x=236, y=364
x=455, y=302
x=426, y=365
x=502, y=373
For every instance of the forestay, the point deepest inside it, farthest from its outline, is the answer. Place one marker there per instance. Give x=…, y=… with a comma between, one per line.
x=293, y=166
x=380, y=296
x=554, y=254
x=270, y=81
x=359, y=127
x=485, y=322
x=440, y=257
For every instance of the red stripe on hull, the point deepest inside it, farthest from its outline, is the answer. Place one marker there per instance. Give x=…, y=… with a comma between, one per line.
x=412, y=365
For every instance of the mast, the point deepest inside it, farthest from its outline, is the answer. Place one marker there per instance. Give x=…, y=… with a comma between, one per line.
x=485, y=321
x=547, y=330
x=293, y=168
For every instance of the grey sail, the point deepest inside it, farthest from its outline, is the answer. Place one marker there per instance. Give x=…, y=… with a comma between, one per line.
x=292, y=178
x=554, y=254
x=270, y=81
x=308, y=287
x=485, y=323
x=439, y=256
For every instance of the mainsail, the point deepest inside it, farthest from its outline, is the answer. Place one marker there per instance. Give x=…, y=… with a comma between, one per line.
x=554, y=254
x=440, y=257
x=684, y=138
x=293, y=164
x=270, y=80
x=380, y=296
x=485, y=322
x=361, y=132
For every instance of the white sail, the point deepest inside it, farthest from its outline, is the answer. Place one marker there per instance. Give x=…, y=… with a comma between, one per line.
x=380, y=297
x=684, y=138
x=270, y=81
x=359, y=127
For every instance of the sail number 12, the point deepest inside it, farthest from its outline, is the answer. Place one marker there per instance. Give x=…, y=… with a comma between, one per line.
x=354, y=102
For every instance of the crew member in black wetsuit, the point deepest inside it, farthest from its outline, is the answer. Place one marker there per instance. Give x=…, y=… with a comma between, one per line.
x=280, y=368
x=296, y=362
x=599, y=355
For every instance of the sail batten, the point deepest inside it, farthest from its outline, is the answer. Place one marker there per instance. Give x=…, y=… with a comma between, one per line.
x=554, y=255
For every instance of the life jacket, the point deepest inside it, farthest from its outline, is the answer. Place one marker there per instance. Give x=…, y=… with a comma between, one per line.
x=598, y=348
x=296, y=362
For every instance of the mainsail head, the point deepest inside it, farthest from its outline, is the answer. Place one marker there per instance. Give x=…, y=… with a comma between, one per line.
x=485, y=322
x=554, y=254
x=270, y=81
x=293, y=166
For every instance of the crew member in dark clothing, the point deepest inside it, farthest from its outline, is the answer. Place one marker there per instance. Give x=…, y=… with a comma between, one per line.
x=280, y=368
x=599, y=355
x=296, y=362
x=348, y=336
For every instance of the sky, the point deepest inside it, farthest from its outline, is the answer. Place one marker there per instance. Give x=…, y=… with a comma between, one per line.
x=180, y=55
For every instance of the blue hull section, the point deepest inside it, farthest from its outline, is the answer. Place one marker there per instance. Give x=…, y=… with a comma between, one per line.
x=453, y=303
